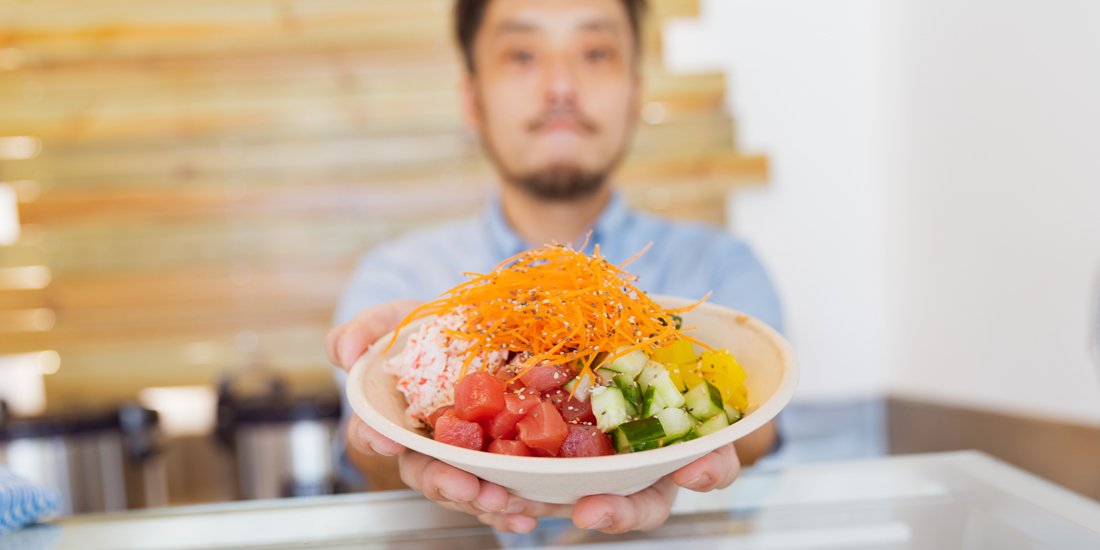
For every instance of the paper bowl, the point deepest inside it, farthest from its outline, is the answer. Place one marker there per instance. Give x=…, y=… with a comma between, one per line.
x=762, y=352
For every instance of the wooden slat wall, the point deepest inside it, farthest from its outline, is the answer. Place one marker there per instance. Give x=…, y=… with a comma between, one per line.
x=209, y=171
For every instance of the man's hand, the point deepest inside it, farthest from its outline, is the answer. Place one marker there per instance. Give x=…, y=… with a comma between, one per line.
x=649, y=508
x=491, y=503
x=345, y=343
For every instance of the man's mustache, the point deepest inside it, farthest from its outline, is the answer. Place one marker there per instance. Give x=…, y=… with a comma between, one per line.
x=582, y=120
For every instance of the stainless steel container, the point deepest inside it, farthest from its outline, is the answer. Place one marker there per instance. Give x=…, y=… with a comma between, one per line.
x=282, y=445
x=87, y=457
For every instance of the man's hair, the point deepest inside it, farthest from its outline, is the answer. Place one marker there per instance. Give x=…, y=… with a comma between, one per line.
x=469, y=14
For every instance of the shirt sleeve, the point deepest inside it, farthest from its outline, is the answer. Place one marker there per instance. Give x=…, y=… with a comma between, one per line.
x=379, y=277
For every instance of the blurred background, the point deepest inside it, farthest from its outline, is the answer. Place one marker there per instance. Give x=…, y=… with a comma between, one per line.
x=185, y=187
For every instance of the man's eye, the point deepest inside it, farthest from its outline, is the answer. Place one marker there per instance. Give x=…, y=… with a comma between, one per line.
x=597, y=54
x=521, y=56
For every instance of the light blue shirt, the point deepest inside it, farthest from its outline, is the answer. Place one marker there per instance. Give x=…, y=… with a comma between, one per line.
x=686, y=259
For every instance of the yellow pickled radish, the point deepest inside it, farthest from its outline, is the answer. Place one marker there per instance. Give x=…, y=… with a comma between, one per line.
x=722, y=370
x=691, y=375
x=679, y=352
x=678, y=358
x=676, y=375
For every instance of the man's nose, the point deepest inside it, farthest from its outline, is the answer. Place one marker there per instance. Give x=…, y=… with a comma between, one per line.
x=561, y=82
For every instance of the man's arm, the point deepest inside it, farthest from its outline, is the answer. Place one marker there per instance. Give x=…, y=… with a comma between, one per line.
x=757, y=444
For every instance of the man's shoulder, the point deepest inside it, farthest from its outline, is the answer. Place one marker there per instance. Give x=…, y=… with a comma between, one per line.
x=697, y=236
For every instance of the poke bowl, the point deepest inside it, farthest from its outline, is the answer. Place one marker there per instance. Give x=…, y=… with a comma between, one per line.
x=768, y=370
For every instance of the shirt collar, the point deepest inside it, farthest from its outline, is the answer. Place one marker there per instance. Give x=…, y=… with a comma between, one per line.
x=612, y=221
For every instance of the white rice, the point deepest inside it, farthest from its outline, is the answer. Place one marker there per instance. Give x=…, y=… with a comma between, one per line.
x=430, y=363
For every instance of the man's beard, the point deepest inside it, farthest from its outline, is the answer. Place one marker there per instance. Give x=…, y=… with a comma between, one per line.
x=559, y=183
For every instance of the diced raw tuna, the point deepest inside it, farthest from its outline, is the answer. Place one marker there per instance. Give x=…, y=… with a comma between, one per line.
x=478, y=396
x=437, y=413
x=543, y=428
x=516, y=406
x=546, y=377
x=586, y=441
x=573, y=410
x=452, y=430
x=509, y=447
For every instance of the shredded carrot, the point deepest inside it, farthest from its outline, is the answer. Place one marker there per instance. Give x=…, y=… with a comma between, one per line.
x=559, y=305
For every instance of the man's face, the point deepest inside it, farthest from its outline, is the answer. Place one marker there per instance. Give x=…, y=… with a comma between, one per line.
x=554, y=92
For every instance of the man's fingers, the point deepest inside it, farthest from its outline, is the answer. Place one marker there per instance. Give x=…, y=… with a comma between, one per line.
x=345, y=343
x=491, y=497
x=438, y=481
x=464, y=507
x=512, y=523
x=367, y=441
x=458, y=490
x=644, y=510
x=331, y=340
x=716, y=470
x=544, y=509
x=354, y=340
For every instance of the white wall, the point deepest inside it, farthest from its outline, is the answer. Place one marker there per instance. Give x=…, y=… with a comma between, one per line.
x=994, y=179
x=800, y=74
x=933, y=218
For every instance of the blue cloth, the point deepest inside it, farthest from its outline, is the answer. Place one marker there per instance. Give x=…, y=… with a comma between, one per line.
x=22, y=503
x=686, y=259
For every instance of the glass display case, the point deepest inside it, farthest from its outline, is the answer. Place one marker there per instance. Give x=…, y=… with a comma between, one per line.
x=936, y=501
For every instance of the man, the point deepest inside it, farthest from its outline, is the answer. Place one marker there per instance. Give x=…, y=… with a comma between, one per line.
x=553, y=89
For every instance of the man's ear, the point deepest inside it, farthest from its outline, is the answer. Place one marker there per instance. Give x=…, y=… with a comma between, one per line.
x=471, y=103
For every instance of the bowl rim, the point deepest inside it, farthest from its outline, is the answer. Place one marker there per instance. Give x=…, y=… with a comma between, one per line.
x=414, y=441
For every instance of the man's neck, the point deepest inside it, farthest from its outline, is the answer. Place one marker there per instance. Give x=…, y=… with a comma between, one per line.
x=539, y=222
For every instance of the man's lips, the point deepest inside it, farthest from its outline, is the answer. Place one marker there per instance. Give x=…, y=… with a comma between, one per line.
x=563, y=122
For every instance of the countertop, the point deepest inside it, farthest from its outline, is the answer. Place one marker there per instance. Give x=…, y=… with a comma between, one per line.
x=950, y=500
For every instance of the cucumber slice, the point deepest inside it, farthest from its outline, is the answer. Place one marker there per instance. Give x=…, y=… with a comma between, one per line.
x=652, y=402
x=650, y=374
x=630, y=364
x=716, y=422
x=704, y=401
x=631, y=392
x=669, y=394
x=646, y=446
x=637, y=432
x=655, y=375
x=732, y=414
x=673, y=440
x=655, y=444
x=618, y=440
x=580, y=387
x=610, y=408
x=675, y=421
x=606, y=376
x=642, y=429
